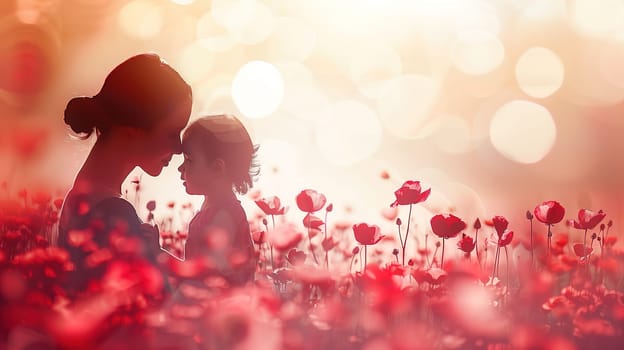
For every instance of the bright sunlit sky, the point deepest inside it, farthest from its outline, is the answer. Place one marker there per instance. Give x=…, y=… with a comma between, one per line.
x=497, y=105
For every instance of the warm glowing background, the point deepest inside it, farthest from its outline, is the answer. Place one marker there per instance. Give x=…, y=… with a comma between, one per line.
x=497, y=105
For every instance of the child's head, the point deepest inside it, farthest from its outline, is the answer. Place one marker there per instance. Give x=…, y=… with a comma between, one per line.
x=218, y=154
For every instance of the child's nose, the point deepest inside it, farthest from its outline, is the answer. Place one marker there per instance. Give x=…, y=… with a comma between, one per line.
x=181, y=168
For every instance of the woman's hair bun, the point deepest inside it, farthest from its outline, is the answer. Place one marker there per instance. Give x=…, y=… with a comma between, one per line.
x=84, y=115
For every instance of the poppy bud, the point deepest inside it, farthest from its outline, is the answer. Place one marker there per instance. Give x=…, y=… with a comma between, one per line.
x=151, y=205
x=330, y=207
x=438, y=244
x=356, y=250
x=477, y=224
x=598, y=239
x=411, y=262
x=594, y=235
x=529, y=216
x=395, y=251
x=602, y=227
x=265, y=222
x=610, y=223
x=398, y=221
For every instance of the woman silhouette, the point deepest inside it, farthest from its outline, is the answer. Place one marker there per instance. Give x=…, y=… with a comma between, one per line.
x=137, y=117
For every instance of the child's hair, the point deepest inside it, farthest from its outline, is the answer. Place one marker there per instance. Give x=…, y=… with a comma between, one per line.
x=139, y=92
x=224, y=136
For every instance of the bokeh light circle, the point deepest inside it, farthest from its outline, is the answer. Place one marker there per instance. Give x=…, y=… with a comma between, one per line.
x=539, y=72
x=256, y=27
x=453, y=135
x=523, y=131
x=348, y=132
x=405, y=104
x=182, y=2
x=211, y=35
x=597, y=18
x=303, y=99
x=141, y=19
x=196, y=62
x=477, y=52
x=257, y=89
x=292, y=39
x=370, y=71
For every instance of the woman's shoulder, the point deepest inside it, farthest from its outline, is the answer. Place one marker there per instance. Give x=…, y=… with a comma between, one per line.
x=81, y=209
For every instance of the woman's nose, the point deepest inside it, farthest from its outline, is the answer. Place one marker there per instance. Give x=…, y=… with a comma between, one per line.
x=177, y=149
x=181, y=168
x=177, y=146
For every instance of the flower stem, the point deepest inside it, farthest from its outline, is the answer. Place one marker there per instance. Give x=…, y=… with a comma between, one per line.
x=351, y=263
x=266, y=226
x=548, y=248
x=495, y=263
x=507, y=266
x=400, y=239
x=365, y=257
x=442, y=263
x=426, y=252
x=435, y=252
x=312, y=248
x=477, y=247
x=532, y=248
x=409, y=217
x=324, y=238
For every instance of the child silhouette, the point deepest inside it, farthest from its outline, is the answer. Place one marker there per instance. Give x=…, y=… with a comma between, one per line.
x=138, y=116
x=218, y=162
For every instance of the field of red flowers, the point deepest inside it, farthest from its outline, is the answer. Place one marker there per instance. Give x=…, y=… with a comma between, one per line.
x=530, y=287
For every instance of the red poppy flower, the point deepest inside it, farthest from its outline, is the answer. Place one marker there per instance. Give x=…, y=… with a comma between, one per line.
x=311, y=221
x=500, y=225
x=435, y=275
x=329, y=243
x=367, y=234
x=410, y=193
x=466, y=244
x=447, y=225
x=610, y=240
x=310, y=201
x=296, y=257
x=580, y=252
x=549, y=212
x=505, y=238
x=284, y=237
x=271, y=206
x=258, y=237
x=587, y=219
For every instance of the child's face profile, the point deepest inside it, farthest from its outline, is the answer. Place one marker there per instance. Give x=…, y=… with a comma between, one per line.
x=196, y=171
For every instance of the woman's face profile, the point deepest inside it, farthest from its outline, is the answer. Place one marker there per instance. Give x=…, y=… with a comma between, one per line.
x=160, y=143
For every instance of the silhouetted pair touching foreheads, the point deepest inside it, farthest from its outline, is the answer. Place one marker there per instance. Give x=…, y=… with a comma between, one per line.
x=138, y=117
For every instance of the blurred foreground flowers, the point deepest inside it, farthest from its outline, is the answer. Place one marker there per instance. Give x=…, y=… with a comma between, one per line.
x=523, y=288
